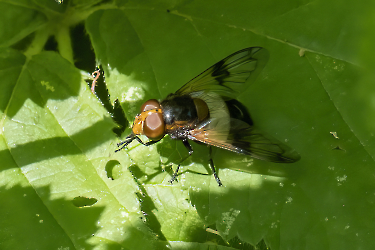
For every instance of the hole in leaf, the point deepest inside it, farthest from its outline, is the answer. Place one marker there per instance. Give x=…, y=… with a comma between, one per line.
x=113, y=169
x=80, y=201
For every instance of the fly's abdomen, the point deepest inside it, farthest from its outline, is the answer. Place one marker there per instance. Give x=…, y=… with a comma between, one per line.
x=179, y=108
x=183, y=111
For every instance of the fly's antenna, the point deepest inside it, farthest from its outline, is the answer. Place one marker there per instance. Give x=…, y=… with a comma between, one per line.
x=126, y=142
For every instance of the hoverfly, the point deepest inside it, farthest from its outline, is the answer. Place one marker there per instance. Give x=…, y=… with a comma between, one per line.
x=200, y=111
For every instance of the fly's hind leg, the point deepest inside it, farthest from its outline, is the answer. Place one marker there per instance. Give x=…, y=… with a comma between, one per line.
x=190, y=149
x=211, y=162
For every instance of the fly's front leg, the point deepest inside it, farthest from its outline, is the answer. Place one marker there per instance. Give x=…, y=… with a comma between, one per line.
x=132, y=137
x=190, y=149
x=126, y=142
x=211, y=162
x=146, y=143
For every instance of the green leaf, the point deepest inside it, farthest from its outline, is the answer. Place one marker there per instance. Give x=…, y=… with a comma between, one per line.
x=19, y=21
x=62, y=186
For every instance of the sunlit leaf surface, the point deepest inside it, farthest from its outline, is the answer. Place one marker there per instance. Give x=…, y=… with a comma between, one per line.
x=63, y=187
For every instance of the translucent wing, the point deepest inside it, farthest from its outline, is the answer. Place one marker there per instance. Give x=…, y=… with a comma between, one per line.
x=237, y=136
x=227, y=77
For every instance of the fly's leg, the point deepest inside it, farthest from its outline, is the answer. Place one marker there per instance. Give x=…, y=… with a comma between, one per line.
x=130, y=138
x=188, y=146
x=126, y=142
x=147, y=143
x=213, y=169
x=190, y=149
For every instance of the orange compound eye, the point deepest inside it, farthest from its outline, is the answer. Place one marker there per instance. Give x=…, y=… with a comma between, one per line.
x=153, y=126
x=150, y=104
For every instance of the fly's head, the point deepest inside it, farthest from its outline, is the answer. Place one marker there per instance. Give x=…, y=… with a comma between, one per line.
x=150, y=121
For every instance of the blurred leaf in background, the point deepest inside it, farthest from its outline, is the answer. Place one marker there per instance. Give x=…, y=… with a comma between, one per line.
x=63, y=187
